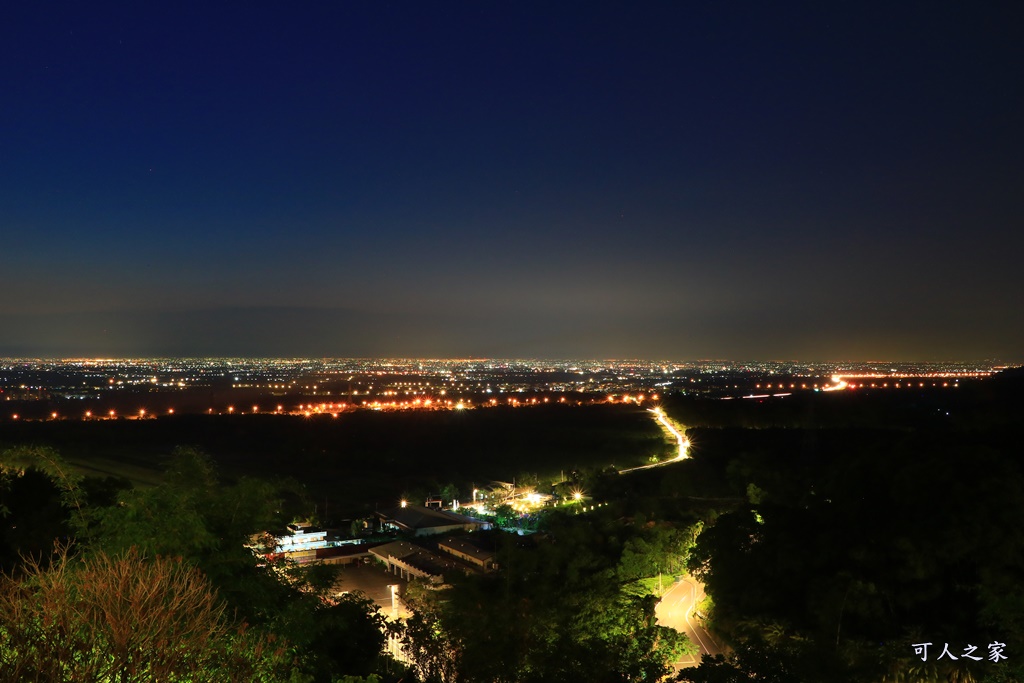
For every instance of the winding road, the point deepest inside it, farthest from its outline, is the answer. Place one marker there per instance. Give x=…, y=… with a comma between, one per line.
x=681, y=441
x=678, y=604
x=676, y=610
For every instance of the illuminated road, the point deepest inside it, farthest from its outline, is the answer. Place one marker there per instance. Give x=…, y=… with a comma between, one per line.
x=840, y=384
x=676, y=610
x=681, y=441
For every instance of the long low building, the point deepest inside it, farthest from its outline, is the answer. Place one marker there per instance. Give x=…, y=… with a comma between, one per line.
x=409, y=561
x=344, y=554
x=469, y=552
x=422, y=521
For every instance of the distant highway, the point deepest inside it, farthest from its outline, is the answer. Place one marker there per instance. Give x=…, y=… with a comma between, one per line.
x=681, y=441
x=676, y=610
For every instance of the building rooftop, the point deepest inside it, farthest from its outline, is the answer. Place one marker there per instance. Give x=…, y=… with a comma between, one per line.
x=415, y=556
x=467, y=548
x=415, y=517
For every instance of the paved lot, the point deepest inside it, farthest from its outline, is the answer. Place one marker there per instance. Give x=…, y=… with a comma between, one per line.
x=373, y=581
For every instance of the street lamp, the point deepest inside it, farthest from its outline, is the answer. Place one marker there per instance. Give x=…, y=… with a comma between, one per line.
x=394, y=609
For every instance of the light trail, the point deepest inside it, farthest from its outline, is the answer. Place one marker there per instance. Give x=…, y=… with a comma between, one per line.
x=682, y=442
x=839, y=386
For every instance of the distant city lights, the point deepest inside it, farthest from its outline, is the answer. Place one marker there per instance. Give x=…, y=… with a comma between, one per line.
x=335, y=387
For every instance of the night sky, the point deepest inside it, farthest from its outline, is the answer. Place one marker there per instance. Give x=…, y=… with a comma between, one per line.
x=664, y=180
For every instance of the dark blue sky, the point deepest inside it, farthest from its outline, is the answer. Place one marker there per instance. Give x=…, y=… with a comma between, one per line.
x=738, y=180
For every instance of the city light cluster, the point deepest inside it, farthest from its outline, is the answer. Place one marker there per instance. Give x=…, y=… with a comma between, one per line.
x=97, y=389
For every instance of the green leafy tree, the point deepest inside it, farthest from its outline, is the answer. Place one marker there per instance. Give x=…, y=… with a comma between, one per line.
x=33, y=517
x=555, y=612
x=192, y=515
x=449, y=492
x=656, y=548
x=42, y=500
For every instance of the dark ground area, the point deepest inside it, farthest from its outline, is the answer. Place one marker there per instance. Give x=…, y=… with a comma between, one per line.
x=365, y=457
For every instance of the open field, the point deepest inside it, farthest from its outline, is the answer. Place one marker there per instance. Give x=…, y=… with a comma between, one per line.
x=367, y=456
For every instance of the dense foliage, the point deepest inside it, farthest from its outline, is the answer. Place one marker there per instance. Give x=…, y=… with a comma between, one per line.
x=563, y=608
x=191, y=516
x=852, y=547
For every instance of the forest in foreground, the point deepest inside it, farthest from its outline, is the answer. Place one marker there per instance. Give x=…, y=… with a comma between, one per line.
x=834, y=542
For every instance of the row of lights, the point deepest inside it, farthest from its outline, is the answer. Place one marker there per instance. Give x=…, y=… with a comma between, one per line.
x=333, y=409
x=89, y=414
x=638, y=399
x=873, y=385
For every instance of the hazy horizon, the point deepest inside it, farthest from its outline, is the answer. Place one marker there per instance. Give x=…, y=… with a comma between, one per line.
x=537, y=179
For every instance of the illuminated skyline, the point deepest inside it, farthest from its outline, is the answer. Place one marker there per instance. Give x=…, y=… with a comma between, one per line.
x=576, y=180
